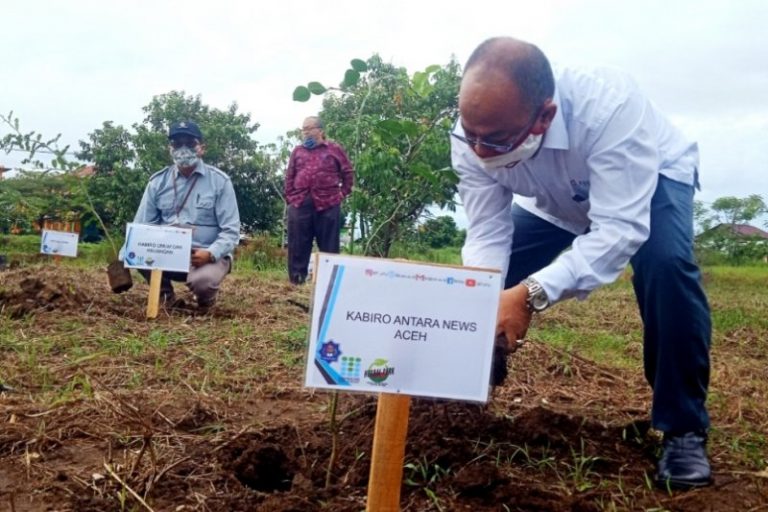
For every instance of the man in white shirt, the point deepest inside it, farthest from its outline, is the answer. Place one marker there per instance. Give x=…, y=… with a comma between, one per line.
x=600, y=179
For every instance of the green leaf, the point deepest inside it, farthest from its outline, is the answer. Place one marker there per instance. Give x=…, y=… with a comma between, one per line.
x=425, y=171
x=389, y=125
x=431, y=69
x=409, y=127
x=315, y=88
x=359, y=65
x=351, y=77
x=421, y=84
x=301, y=93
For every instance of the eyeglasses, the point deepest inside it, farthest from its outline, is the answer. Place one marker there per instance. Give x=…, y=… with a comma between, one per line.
x=498, y=148
x=180, y=143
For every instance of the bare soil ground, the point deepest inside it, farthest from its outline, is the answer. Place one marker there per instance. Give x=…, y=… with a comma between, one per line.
x=109, y=411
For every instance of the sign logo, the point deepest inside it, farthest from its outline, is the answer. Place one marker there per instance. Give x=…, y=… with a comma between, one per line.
x=470, y=282
x=350, y=369
x=330, y=351
x=378, y=372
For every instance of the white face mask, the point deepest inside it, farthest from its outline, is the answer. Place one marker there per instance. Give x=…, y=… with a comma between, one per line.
x=184, y=157
x=506, y=161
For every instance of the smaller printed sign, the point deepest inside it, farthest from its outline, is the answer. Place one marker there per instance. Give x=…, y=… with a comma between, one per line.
x=158, y=247
x=59, y=243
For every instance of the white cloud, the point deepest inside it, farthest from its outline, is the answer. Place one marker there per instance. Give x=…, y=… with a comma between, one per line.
x=69, y=66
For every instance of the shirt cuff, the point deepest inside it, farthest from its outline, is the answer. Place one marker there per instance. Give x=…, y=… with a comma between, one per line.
x=558, y=283
x=215, y=254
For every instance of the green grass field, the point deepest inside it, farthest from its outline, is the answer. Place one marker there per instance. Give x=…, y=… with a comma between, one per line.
x=94, y=382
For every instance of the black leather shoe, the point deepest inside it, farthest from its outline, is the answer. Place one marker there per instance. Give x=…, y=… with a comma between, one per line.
x=684, y=464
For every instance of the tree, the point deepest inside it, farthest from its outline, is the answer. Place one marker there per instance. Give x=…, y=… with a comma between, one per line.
x=124, y=161
x=733, y=210
x=229, y=145
x=721, y=235
x=116, y=187
x=28, y=199
x=395, y=127
x=49, y=190
x=701, y=216
x=440, y=232
x=33, y=144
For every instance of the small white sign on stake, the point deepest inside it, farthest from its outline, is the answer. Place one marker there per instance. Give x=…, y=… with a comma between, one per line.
x=386, y=326
x=59, y=243
x=150, y=247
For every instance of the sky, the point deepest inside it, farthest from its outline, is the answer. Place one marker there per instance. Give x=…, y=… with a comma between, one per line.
x=70, y=66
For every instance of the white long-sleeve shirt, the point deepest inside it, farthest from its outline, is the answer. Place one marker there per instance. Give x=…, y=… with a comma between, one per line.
x=597, y=170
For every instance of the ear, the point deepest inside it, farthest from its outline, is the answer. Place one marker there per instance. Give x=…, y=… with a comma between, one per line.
x=546, y=116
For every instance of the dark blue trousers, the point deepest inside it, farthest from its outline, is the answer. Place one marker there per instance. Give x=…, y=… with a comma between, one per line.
x=673, y=307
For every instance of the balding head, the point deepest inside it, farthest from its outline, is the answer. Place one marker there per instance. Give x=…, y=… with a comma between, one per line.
x=313, y=127
x=506, y=94
x=522, y=63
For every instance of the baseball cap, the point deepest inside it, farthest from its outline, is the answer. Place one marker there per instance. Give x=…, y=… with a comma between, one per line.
x=185, y=128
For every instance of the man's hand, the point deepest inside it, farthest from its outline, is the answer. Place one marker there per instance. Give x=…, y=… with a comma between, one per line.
x=200, y=257
x=514, y=315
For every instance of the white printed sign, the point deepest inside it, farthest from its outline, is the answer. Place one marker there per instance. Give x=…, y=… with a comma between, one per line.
x=59, y=243
x=381, y=325
x=158, y=247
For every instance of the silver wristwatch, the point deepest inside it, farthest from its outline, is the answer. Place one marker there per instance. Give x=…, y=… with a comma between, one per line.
x=537, y=297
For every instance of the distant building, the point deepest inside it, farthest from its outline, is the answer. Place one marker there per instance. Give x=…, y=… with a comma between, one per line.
x=69, y=221
x=735, y=241
x=737, y=230
x=85, y=171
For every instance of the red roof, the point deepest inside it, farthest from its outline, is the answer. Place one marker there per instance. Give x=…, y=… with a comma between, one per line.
x=746, y=230
x=85, y=171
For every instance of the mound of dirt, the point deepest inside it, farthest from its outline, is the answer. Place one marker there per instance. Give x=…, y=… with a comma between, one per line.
x=26, y=291
x=43, y=288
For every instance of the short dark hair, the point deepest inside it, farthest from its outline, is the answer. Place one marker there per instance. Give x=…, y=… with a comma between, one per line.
x=526, y=65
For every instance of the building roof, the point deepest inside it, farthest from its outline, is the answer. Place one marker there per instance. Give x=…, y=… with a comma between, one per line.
x=85, y=171
x=744, y=230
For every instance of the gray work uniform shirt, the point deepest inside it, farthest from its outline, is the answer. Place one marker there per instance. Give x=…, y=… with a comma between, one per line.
x=210, y=210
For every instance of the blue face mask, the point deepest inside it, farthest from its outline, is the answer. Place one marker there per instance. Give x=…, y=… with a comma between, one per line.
x=310, y=142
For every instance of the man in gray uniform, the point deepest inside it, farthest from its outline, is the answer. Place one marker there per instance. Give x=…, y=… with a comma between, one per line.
x=192, y=194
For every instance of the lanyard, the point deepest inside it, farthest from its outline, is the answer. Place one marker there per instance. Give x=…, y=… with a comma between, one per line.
x=180, y=207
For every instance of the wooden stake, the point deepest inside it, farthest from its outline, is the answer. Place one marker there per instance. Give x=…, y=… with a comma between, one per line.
x=388, y=454
x=153, y=303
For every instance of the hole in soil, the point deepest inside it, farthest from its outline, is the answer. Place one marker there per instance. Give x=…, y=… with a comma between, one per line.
x=264, y=468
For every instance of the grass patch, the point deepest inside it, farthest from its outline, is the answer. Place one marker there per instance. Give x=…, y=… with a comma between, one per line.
x=601, y=347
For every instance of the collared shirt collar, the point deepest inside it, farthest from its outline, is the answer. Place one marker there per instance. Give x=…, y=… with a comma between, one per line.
x=199, y=169
x=557, y=134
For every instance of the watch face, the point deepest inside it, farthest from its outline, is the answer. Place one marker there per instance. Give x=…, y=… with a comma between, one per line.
x=539, y=303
